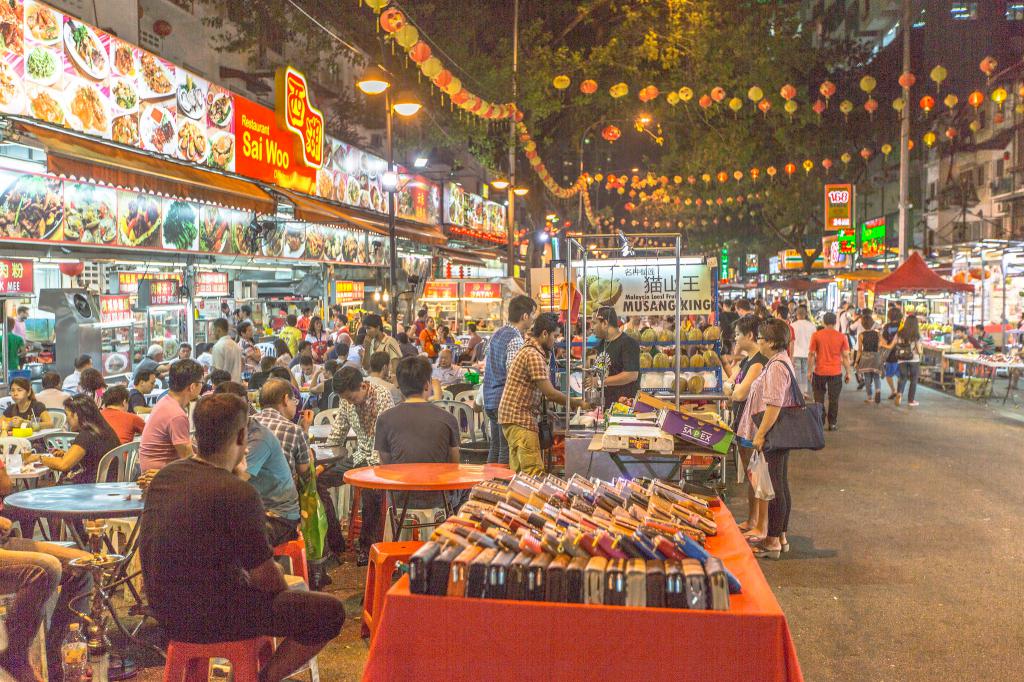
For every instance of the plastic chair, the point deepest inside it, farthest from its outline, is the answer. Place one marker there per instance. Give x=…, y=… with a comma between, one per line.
x=9, y=445
x=447, y=395
x=295, y=550
x=61, y=440
x=59, y=417
x=188, y=662
x=325, y=416
x=383, y=558
x=118, y=457
x=473, y=448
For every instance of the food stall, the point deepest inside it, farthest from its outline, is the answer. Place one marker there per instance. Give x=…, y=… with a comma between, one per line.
x=209, y=291
x=441, y=299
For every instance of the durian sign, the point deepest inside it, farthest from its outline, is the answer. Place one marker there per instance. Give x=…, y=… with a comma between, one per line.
x=648, y=287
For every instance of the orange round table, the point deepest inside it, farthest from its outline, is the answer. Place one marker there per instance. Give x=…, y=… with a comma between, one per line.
x=417, y=477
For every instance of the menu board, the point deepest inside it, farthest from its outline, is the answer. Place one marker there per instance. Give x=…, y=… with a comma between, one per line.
x=212, y=284
x=349, y=292
x=440, y=290
x=128, y=282
x=481, y=291
x=472, y=211
x=115, y=309
x=16, y=276
x=163, y=292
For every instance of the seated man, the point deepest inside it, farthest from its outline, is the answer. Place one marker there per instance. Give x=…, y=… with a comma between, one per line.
x=143, y=384
x=51, y=396
x=380, y=374
x=278, y=415
x=445, y=372
x=267, y=469
x=197, y=507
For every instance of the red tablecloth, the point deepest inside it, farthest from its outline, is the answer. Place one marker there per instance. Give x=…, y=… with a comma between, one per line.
x=439, y=638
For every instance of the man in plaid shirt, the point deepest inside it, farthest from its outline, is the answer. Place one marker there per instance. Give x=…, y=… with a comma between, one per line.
x=279, y=409
x=527, y=381
x=361, y=404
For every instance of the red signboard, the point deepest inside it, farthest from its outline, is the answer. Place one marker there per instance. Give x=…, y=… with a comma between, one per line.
x=838, y=207
x=481, y=291
x=349, y=292
x=128, y=282
x=266, y=151
x=115, y=309
x=439, y=290
x=163, y=292
x=212, y=284
x=15, y=276
x=299, y=115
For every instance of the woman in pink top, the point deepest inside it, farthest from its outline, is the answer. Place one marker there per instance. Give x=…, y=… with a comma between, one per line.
x=769, y=393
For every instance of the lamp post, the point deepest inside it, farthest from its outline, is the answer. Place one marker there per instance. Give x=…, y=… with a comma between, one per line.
x=376, y=82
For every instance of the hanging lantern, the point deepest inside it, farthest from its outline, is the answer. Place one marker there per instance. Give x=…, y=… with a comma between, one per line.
x=929, y=138
x=755, y=94
x=736, y=104
x=846, y=106
x=886, y=150
x=868, y=83
x=907, y=80
x=718, y=94
x=687, y=201
x=846, y=158
x=950, y=132
x=938, y=74
x=899, y=103
x=648, y=93
x=999, y=96
x=611, y=133
x=588, y=87
x=927, y=103
x=618, y=90
x=685, y=93
x=974, y=126
x=755, y=173
x=827, y=89
x=976, y=99
x=704, y=102
x=826, y=164
x=770, y=170
x=790, y=168
x=598, y=177
x=790, y=106
x=678, y=179
x=377, y=5
x=764, y=105
x=420, y=52
x=432, y=68
x=392, y=19
x=871, y=106
x=72, y=269
x=737, y=175
x=691, y=179
x=950, y=100
x=407, y=36
x=672, y=98
x=818, y=107
x=162, y=28
x=988, y=66
x=808, y=166
x=454, y=87
x=630, y=206
x=910, y=145
x=561, y=82
x=719, y=201
x=788, y=92
x=865, y=153
x=722, y=177
x=706, y=177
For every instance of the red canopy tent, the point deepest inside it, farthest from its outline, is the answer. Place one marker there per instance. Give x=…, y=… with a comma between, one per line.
x=915, y=275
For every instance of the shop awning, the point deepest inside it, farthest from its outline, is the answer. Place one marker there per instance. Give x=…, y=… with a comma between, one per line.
x=85, y=158
x=864, y=275
x=315, y=210
x=915, y=275
x=463, y=257
x=424, y=234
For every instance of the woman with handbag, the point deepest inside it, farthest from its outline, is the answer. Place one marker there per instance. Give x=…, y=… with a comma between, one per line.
x=908, y=355
x=771, y=392
x=869, y=357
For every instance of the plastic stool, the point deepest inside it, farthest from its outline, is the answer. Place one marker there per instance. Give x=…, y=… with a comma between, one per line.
x=383, y=557
x=188, y=662
x=295, y=550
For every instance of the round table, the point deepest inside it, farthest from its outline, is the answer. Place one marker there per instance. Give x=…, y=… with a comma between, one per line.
x=81, y=501
x=417, y=477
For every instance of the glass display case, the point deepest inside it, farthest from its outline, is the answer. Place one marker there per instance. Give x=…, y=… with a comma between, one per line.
x=166, y=325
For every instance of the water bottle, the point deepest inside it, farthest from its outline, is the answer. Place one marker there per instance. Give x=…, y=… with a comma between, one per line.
x=74, y=655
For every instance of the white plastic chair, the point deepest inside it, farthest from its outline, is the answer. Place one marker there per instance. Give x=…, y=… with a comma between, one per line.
x=61, y=440
x=469, y=397
x=59, y=417
x=5, y=401
x=325, y=416
x=122, y=457
x=471, y=444
x=9, y=445
x=267, y=349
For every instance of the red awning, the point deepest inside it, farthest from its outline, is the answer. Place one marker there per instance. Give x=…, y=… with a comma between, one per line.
x=915, y=275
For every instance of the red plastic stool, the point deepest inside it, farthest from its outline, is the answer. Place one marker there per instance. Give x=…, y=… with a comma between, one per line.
x=187, y=662
x=383, y=557
x=295, y=550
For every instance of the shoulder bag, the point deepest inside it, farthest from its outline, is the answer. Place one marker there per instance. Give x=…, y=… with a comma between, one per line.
x=904, y=352
x=800, y=427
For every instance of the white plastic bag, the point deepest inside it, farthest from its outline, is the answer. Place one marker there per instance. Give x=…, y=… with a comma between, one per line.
x=760, y=479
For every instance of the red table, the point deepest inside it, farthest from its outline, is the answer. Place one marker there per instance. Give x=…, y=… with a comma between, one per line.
x=474, y=639
x=426, y=476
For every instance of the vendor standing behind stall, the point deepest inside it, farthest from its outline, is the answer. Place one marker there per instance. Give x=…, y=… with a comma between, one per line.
x=623, y=351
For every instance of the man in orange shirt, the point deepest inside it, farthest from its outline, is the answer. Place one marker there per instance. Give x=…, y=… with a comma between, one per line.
x=126, y=424
x=828, y=356
x=428, y=339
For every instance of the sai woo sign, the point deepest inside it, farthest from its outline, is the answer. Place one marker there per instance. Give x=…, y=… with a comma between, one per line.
x=838, y=207
x=15, y=276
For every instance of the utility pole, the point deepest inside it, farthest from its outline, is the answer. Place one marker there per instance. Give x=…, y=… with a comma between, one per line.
x=512, y=145
x=904, y=224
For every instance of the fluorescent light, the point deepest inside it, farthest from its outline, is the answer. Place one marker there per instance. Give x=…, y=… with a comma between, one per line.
x=420, y=162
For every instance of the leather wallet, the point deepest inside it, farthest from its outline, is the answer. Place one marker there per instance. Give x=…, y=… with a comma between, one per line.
x=655, y=583
x=636, y=582
x=419, y=567
x=440, y=568
x=536, y=584
x=516, y=582
x=476, y=580
x=615, y=583
x=497, y=575
x=593, y=584
x=695, y=551
x=609, y=545
x=675, y=592
x=695, y=583
x=460, y=571
x=718, y=584
x=555, y=585
x=575, y=579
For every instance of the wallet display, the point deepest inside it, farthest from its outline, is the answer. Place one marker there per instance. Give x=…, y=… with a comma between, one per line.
x=626, y=543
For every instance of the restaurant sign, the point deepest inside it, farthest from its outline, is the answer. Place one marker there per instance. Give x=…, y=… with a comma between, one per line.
x=163, y=292
x=838, y=207
x=872, y=238
x=296, y=109
x=434, y=291
x=128, y=282
x=212, y=284
x=349, y=292
x=115, y=309
x=790, y=260
x=481, y=291
x=15, y=276
x=649, y=287
x=847, y=240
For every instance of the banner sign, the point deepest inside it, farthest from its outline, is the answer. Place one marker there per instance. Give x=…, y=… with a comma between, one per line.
x=838, y=207
x=752, y=266
x=299, y=115
x=163, y=292
x=349, y=292
x=128, y=282
x=472, y=211
x=649, y=287
x=481, y=291
x=847, y=240
x=212, y=284
x=872, y=238
x=115, y=309
x=790, y=260
x=834, y=258
x=440, y=290
x=16, y=276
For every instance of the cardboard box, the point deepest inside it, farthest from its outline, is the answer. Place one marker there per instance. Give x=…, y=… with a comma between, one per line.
x=691, y=429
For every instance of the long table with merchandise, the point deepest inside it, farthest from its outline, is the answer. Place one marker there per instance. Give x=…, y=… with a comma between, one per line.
x=982, y=369
x=564, y=579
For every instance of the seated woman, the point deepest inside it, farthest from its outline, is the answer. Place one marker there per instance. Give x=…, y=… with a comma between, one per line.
x=95, y=438
x=24, y=408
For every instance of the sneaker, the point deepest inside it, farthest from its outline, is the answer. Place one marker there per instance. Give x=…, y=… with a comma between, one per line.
x=913, y=403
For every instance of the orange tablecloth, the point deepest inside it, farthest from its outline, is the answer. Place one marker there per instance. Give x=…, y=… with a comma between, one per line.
x=439, y=638
x=425, y=476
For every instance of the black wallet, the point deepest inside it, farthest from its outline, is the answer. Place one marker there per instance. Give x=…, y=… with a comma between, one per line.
x=497, y=575
x=675, y=592
x=695, y=584
x=615, y=583
x=419, y=567
x=476, y=580
x=517, y=577
x=574, y=579
x=555, y=589
x=655, y=583
x=535, y=577
x=439, y=569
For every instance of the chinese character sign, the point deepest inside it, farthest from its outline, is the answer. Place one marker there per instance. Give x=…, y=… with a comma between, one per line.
x=212, y=284
x=649, y=287
x=349, y=292
x=838, y=207
x=115, y=309
x=300, y=116
x=15, y=276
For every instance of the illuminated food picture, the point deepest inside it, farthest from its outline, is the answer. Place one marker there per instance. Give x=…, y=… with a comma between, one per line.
x=157, y=130
x=124, y=60
x=192, y=144
x=90, y=214
x=124, y=95
x=87, y=106
x=220, y=109
x=222, y=151
x=192, y=98
x=10, y=27
x=86, y=50
x=155, y=75
x=11, y=97
x=42, y=65
x=181, y=226
x=315, y=242
x=215, y=231
x=140, y=221
x=125, y=130
x=30, y=208
x=46, y=107
x=42, y=23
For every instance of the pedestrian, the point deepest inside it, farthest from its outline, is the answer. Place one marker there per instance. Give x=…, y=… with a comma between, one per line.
x=892, y=368
x=908, y=355
x=828, y=357
x=769, y=393
x=856, y=327
x=727, y=320
x=501, y=349
x=226, y=353
x=870, y=357
x=803, y=330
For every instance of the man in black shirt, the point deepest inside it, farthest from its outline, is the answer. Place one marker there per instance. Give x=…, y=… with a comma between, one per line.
x=142, y=385
x=623, y=356
x=727, y=323
x=209, y=571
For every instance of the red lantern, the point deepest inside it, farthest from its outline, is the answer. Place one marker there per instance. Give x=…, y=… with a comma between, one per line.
x=392, y=20
x=790, y=168
x=630, y=206
x=460, y=97
x=976, y=99
x=788, y=92
x=722, y=176
x=907, y=80
x=718, y=94
x=588, y=87
x=162, y=28
x=950, y=132
x=611, y=133
x=649, y=93
x=72, y=269
x=420, y=52
x=871, y=106
x=826, y=164
x=818, y=107
x=827, y=89
x=865, y=153
x=927, y=103
x=754, y=173
x=988, y=66
x=764, y=105
x=704, y=101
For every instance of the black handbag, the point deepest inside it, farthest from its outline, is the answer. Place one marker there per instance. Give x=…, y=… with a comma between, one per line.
x=800, y=427
x=904, y=352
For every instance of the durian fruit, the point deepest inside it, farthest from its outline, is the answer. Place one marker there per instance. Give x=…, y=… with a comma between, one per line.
x=697, y=361
x=695, y=384
x=662, y=361
x=666, y=335
x=649, y=335
x=695, y=335
x=645, y=361
x=711, y=359
x=633, y=333
x=684, y=360
x=712, y=333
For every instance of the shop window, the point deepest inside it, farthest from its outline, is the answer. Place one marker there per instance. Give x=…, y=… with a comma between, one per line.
x=1014, y=11
x=963, y=11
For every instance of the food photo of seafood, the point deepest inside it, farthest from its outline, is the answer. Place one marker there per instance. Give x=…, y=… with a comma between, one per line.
x=90, y=214
x=222, y=151
x=220, y=108
x=125, y=60
x=192, y=92
x=157, y=80
x=273, y=240
x=43, y=23
x=216, y=228
x=192, y=143
x=86, y=49
x=294, y=242
x=31, y=207
x=138, y=219
x=11, y=33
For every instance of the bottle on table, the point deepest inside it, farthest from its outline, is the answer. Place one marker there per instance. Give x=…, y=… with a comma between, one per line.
x=74, y=655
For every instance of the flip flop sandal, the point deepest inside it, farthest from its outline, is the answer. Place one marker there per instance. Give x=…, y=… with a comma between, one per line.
x=763, y=553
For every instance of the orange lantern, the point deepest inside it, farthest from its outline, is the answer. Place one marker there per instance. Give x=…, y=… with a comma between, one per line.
x=755, y=173
x=392, y=19
x=790, y=168
x=648, y=93
x=691, y=179
x=826, y=164
x=706, y=177
x=722, y=176
x=588, y=87
x=737, y=175
x=764, y=105
x=818, y=107
x=420, y=52
x=827, y=89
x=718, y=94
x=907, y=80
x=988, y=66
x=976, y=99
x=788, y=92
x=871, y=106
x=704, y=102
x=865, y=153
x=927, y=103
x=950, y=132
x=770, y=170
x=442, y=79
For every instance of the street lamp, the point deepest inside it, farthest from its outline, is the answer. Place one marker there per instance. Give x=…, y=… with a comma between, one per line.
x=375, y=81
x=500, y=184
x=520, y=191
